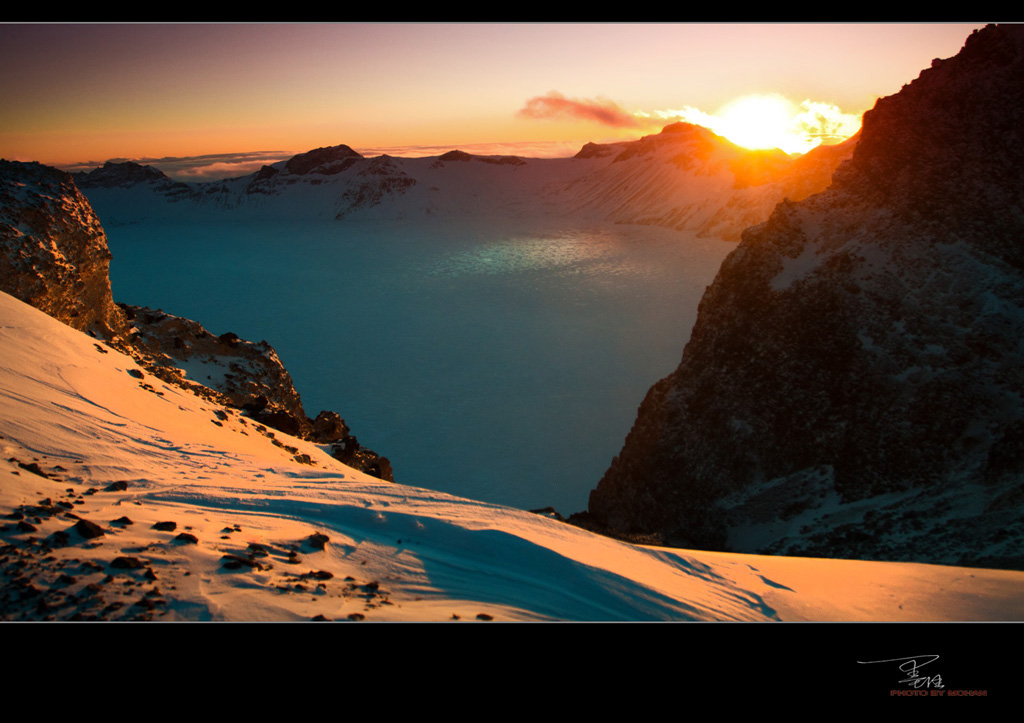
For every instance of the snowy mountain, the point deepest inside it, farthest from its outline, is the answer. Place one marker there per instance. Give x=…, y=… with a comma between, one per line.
x=685, y=178
x=852, y=386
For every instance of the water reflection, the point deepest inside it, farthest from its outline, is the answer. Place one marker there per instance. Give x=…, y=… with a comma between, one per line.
x=568, y=251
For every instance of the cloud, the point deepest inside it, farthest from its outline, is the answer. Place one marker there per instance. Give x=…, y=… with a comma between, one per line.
x=555, y=105
x=827, y=122
x=210, y=167
x=525, y=149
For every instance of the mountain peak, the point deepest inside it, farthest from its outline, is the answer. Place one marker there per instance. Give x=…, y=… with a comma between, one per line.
x=122, y=174
x=327, y=161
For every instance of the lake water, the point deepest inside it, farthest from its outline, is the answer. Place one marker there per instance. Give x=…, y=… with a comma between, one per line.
x=504, y=366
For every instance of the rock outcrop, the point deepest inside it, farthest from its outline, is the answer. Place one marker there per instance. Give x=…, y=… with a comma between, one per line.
x=53, y=251
x=854, y=383
x=54, y=256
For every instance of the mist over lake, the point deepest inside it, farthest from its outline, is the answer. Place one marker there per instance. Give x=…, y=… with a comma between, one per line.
x=501, y=365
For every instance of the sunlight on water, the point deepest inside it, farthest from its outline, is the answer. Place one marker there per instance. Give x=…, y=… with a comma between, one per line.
x=506, y=367
x=572, y=251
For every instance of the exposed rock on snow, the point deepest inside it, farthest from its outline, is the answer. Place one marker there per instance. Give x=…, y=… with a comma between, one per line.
x=852, y=386
x=325, y=161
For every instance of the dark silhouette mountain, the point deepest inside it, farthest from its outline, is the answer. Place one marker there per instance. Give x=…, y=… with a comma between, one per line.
x=854, y=383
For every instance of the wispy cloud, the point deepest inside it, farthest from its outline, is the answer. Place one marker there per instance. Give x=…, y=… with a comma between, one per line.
x=209, y=167
x=601, y=110
x=526, y=149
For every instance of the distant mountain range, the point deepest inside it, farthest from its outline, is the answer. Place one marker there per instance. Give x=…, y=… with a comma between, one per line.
x=685, y=178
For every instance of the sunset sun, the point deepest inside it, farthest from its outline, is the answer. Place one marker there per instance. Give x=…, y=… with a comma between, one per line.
x=760, y=122
x=763, y=121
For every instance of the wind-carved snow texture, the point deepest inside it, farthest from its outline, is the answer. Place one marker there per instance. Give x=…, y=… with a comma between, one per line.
x=125, y=497
x=852, y=386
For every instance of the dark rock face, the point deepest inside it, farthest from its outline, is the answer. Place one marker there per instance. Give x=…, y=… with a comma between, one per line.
x=852, y=386
x=53, y=251
x=327, y=161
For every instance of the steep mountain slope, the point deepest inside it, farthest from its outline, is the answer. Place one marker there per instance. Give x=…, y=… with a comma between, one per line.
x=124, y=497
x=685, y=178
x=852, y=386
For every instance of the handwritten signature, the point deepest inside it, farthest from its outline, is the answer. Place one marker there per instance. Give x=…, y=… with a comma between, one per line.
x=910, y=666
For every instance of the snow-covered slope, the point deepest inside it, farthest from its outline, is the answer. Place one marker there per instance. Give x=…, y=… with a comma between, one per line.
x=125, y=497
x=685, y=178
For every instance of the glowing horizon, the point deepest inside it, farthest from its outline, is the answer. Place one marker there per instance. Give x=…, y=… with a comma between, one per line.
x=91, y=92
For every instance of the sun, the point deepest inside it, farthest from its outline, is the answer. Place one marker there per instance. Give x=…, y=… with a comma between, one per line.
x=764, y=121
x=770, y=120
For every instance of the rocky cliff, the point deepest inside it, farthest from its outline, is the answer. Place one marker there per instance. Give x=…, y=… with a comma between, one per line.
x=854, y=383
x=54, y=256
x=53, y=251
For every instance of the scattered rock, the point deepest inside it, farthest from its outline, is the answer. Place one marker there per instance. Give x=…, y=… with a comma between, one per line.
x=234, y=562
x=127, y=563
x=88, y=529
x=317, y=541
x=33, y=468
x=165, y=526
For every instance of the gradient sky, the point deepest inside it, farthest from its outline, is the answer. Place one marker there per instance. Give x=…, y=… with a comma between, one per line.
x=92, y=92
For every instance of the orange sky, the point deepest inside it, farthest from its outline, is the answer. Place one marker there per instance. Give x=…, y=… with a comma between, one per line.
x=74, y=93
